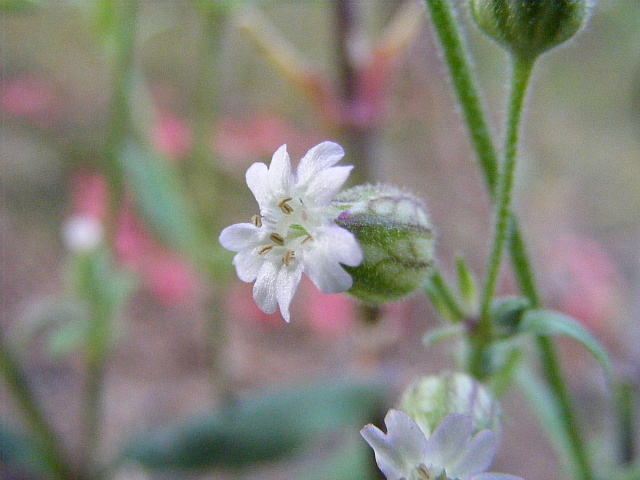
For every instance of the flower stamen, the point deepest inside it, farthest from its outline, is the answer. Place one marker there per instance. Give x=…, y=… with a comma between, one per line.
x=284, y=205
x=288, y=256
x=307, y=240
x=265, y=249
x=277, y=239
x=257, y=221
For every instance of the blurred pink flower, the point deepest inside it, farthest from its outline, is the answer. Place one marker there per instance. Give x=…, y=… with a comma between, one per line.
x=29, y=98
x=163, y=272
x=171, y=135
x=584, y=280
x=328, y=315
x=241, y=142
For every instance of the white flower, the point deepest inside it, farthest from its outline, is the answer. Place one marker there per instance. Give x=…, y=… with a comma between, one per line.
x=82, y=233
x=294, y=233
x=451, y=453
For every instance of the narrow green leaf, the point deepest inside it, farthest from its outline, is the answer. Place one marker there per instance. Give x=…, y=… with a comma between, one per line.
x=159, y=197
x=466, y=284
x=442, y=298
x=550, y=322
x=441, y=334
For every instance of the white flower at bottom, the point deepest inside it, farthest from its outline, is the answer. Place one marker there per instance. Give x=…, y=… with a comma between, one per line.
x=451, y=453
x=294, y=233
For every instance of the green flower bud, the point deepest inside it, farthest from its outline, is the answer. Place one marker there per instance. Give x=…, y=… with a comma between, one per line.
x=528, y=28
x=395, y=235
x=429, y=399
x=506, y=314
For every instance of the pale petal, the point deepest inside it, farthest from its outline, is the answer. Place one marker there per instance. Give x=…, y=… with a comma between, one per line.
x=257, y=181
x=247, y=265
x=401, y=449
x=448, y=440
x=240, y=236
x=279, y=176
x=325, y=185
x=286, y=285
x=323, y=155
x=331, y=246
x=494, y=476
x=264, y=290
x=476, y=457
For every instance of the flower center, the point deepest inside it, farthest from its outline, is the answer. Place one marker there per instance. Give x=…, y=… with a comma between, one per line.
x=288, y=234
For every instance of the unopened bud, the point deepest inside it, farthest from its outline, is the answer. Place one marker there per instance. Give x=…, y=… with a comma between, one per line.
x=430, y=399
x=528, y=28
x=395, y=235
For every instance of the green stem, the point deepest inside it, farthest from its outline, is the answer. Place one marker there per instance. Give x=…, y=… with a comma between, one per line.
x=521, y=73
x=97, y=342
x=464, y=84
x=455, y=55
x=50, y=446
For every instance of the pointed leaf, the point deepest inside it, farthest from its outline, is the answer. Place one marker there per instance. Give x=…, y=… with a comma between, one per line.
x=441, y=334
x=550, y=322
x=466, y=284
x=158, y=197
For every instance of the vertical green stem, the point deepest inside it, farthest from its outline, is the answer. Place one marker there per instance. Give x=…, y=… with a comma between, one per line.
x=97, y=342
x=451, y=41
x=51, y=452
x=464, y=84
x=483, y=333
x=521, y=73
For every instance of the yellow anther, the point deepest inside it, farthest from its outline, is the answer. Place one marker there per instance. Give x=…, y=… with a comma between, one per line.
x=256, y=220
x=265, y=249
x=284, y=205
x=288, y=256
x=307, y=240
x=277, y=239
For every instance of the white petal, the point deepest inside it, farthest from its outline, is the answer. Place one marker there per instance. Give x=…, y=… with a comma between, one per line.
x=286, y=285
x=280, y=174
x=494, y=476
x=476, y=457
x=257, y=181
x=401, y=450
x=323, y=155
x=325, y=185
x=264, y=290
x=323, y=256
x=240, y=236
x=247, y=265
x=448, y=440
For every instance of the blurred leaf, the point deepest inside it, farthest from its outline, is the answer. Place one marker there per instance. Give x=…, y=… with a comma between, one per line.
x=549, y=322
x=549, y=415
x=466, y=285
x=98, y=282
x=441, y=334
x=442, y=298
x=17, y=6
x=630, y=473
x=158, y=197
x=258, y=428
x=20, y=452
x=350, y=459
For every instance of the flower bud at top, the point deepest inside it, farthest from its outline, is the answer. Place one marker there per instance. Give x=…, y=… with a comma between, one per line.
x=430, y=399
x=528, y=28
x=395, y=235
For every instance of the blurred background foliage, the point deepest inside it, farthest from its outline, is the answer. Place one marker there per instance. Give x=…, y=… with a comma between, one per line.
x=157, y=149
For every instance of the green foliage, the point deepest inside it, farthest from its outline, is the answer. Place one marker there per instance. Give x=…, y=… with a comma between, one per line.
x=258, y=428
x=552, y=323
x=21, y=453
x=159, y=197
